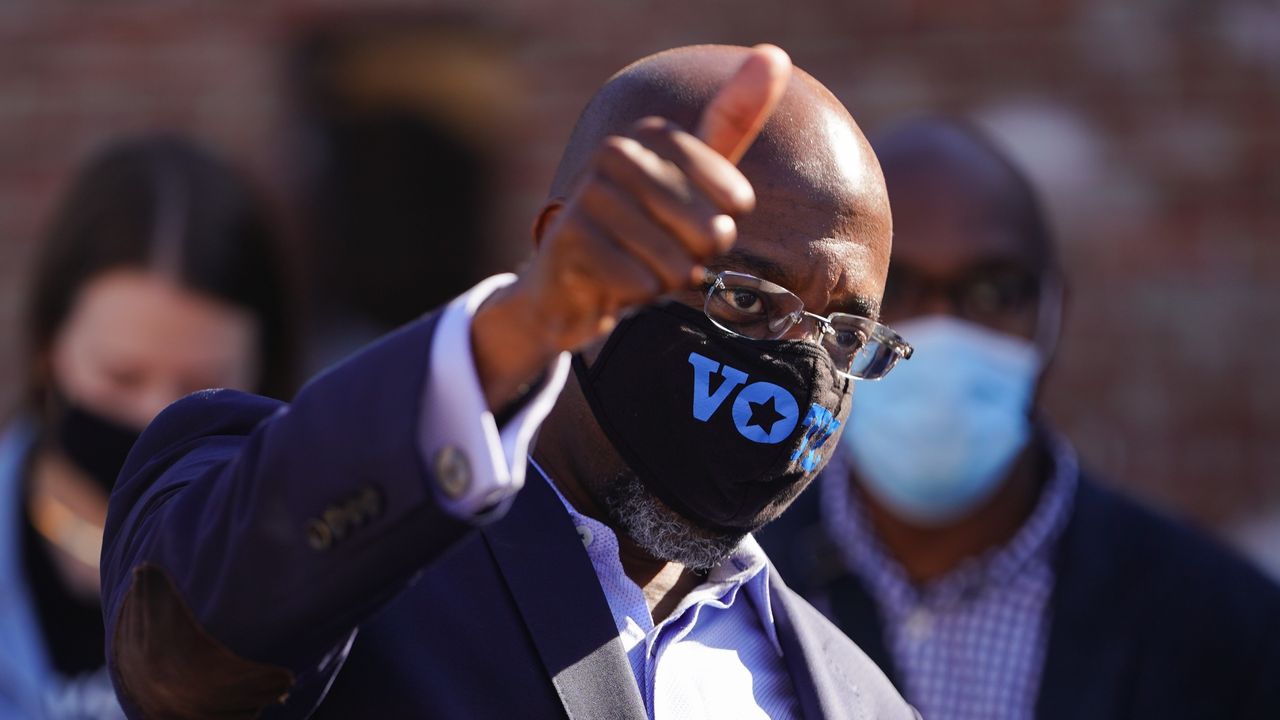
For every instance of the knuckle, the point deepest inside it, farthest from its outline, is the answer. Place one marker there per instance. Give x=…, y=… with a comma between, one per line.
x=651, y=127
x=737, y=117
x=678, y=187
x=614, y=149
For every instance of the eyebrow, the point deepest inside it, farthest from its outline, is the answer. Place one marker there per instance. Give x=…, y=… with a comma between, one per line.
x=737, y=260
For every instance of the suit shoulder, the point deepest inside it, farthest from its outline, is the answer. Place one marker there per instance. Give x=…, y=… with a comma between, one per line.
x=202, y=414
x=1166, y=554
x=214, y=412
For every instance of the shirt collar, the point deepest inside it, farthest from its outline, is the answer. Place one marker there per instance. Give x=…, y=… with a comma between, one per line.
x=845, y=516
x=747, y=568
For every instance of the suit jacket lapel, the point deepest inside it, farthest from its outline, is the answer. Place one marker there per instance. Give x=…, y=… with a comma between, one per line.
x=802, y=550
x=555, y=588
x=810, y=670
x=856, y=614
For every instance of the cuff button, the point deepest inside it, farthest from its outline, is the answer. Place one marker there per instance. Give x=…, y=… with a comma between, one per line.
x=453, y=472
x=319, y=535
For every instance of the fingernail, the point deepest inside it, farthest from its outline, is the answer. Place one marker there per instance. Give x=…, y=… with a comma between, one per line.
x=724, y=230
x=745, y=196
x=780, y=56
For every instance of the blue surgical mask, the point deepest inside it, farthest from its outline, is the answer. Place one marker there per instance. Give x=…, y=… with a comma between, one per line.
x=934, y=439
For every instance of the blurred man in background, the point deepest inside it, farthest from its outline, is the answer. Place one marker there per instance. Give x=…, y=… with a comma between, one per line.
x=961, y=544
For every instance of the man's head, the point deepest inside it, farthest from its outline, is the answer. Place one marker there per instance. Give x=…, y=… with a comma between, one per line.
x=971, y=240
x=821, y=228
x=974, y=285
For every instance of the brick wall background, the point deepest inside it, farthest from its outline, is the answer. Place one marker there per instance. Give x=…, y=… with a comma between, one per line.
x=1150, y=126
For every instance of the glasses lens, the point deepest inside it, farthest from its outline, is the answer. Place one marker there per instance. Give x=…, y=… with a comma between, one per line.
x=862, y=347
x=751, y=307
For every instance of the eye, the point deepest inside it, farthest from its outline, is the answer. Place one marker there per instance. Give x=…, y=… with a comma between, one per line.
x=745, y=301
x=124, y=378
x=848, y=340
x=998, y=293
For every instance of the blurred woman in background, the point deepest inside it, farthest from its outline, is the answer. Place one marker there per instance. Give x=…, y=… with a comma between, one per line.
x=160, y=276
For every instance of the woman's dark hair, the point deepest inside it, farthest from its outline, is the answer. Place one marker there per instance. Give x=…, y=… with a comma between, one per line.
x=163, y=204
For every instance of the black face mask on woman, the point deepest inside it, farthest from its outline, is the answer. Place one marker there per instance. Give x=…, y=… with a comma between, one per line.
x=717, y=426
x=96, y=445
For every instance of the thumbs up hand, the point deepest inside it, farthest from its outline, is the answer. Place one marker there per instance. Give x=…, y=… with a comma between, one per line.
x=651, y=207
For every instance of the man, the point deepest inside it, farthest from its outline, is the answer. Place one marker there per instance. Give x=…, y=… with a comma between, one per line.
x=719, y=317
x=960, y=544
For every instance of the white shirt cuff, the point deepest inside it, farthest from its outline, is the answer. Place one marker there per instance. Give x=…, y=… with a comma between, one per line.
x=476, y=464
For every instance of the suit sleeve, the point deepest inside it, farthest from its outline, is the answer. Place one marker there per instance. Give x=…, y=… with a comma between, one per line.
x=247, y=539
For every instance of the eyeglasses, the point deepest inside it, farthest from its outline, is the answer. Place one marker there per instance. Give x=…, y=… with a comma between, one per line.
x=757, y=309
x=987, y=295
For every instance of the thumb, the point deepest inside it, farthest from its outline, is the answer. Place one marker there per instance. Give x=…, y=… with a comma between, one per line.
x=735, y=115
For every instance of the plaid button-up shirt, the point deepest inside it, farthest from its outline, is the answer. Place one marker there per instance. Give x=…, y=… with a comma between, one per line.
x=971, y=644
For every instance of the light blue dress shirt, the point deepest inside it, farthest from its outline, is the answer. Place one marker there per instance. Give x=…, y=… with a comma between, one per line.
x=717, y=654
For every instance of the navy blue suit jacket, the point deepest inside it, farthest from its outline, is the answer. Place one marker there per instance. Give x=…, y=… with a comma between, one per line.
x=1149, y=619
x=247, y=541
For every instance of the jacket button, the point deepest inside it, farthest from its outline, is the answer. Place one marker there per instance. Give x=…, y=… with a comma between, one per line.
x=368, y=504
x=319, y=534
x=453, y=473
x=338, y=520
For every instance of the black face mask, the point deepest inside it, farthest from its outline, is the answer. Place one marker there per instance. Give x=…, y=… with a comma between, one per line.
x=718, y=427
x=94, y=444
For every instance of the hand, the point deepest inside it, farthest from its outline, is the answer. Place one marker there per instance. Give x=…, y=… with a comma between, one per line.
x=651, y=207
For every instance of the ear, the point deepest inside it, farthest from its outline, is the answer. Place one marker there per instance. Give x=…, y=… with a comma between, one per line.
x=545, y=219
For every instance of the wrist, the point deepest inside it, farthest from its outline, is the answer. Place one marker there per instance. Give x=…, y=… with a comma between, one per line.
x=511, y=344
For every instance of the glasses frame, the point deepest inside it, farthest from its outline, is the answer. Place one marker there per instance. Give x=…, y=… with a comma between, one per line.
x=876, y=331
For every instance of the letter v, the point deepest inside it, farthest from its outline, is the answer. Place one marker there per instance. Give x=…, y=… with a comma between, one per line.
x=704, y=403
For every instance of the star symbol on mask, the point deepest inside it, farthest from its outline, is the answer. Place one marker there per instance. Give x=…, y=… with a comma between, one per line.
x=764, y=415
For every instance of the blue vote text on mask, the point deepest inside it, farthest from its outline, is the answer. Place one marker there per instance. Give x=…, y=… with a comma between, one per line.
x=763, y=412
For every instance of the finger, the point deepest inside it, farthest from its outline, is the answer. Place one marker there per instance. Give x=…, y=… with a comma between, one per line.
x=735, y=115
x=587, y=278
x=707, y=169
x=667, y=196
x=634, y=231
x=624, y=278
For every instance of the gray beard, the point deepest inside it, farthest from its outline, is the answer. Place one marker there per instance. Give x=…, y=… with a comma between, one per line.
x=661, y=531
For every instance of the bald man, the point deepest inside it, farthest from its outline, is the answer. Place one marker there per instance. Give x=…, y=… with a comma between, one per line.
x=959, y=542
x=708, y=269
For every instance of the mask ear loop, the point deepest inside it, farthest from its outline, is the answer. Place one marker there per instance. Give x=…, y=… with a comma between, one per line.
x=1049, y=317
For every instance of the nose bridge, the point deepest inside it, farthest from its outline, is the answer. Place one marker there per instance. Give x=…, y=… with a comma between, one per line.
x=808, y=327
x=938, y=297
x=938, y=304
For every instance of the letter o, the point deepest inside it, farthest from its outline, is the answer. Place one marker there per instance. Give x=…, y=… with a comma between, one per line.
x=783, y=402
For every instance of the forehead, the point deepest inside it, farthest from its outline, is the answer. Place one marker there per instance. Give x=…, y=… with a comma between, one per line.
x=821, y=227
x=948, y=223
x=833, y=256
x=135, y=315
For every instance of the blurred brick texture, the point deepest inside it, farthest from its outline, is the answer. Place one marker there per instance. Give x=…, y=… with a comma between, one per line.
x=1153, y=128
